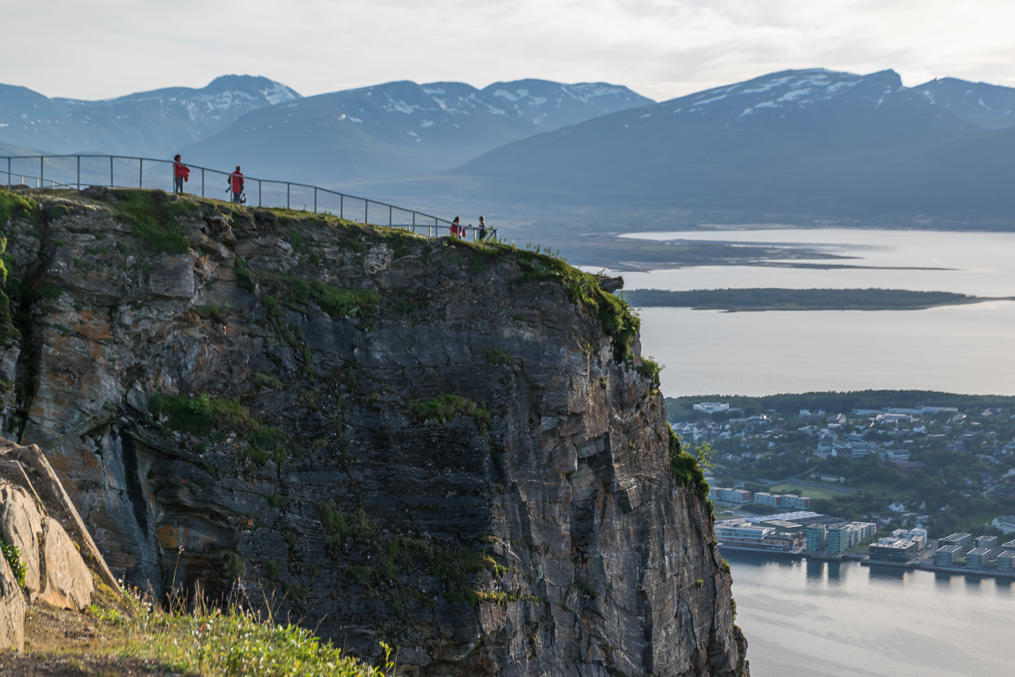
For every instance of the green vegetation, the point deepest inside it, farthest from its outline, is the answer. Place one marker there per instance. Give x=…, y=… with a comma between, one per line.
x=152, y=216
x=679, y=408
x=297, y=293
x=14, y=205
x=613, y=314
x=213, y=418
x=446, y=407
x=797, y=299
x=650, y=369
x=498, y=358
x=215, y=642
x=687, y=471
x=13, y=556
x=395, y=565
x=946, y=458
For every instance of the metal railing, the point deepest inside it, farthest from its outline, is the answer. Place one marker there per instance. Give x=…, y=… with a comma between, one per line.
x=125, y=171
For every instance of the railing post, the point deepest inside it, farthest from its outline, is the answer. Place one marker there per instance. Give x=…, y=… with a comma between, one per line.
x=341, y=202
x=259, y=192
x=315, y=199
x=414, y=221
x=366, y=212
x=79, y=171
x=202, y=181
x=287, y=187
x=110, y=171
x=389, y=215
x=8, y=171
x=42, y=171
x=140, y=173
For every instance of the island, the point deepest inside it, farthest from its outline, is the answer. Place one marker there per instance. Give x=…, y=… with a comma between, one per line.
x=757, y=299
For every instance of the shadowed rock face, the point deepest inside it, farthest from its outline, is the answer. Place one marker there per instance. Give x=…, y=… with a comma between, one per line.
x=388, y=438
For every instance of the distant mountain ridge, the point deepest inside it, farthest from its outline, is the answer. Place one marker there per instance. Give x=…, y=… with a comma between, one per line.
x=403, y=128
x=144, y=123
x=797, y=145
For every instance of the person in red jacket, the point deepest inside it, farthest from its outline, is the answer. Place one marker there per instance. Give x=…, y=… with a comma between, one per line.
x=236, y=185
x=457, y=229
x=181, y=173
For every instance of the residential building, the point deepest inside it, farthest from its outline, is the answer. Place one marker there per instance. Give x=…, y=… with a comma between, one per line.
x=1006, y=523
x=816, y=535
x=711, y=407
x=894, y=550
x=765, y=498
x=1006, y=561
x=986, y=541
x=728, y=495
x=978, y=557
x=1010, y=545
x=837, y=539
x=963, y=540
x=946, y=554
x=740, y=531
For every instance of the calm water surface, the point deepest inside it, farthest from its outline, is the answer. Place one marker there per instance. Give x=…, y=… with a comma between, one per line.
x=845, y=620
x=965, y=349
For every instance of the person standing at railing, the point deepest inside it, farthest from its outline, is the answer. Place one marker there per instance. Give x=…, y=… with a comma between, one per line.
x=482, y=228
x=181, y=173
x=236, y=185
x=457, y=229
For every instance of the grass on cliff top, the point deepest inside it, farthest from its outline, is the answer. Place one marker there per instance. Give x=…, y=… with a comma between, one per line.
x=13, y=204
x=614, y=315
x=134, y=637
x=152, y=216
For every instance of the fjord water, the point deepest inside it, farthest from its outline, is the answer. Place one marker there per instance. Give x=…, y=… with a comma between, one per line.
x=841, y=619
x=964, y=349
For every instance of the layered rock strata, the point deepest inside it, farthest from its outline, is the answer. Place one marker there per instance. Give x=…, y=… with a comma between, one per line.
x=454, y=448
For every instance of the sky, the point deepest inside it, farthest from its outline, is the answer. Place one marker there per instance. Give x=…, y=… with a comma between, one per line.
x=94, y=49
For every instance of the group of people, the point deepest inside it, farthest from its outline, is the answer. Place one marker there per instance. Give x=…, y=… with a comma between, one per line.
x=234, y=182
x=458, y=230
x=235, y=185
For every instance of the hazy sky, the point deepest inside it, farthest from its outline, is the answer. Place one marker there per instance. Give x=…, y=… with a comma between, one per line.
x=661, y=48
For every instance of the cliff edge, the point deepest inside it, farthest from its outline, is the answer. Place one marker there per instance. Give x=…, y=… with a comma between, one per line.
x=449, y=446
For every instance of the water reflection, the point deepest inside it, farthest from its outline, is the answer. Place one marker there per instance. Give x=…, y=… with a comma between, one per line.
x=886, y=573
x=836, y=620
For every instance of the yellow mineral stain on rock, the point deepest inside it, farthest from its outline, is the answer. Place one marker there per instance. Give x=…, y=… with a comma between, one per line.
x=92, y=325
x=171, y=536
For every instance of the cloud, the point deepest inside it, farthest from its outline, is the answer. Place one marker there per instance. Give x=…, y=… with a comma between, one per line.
x=663, y=48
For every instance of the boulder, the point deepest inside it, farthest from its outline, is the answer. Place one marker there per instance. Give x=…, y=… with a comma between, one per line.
x=12, y=610
x=21, y=526
x=67, y=581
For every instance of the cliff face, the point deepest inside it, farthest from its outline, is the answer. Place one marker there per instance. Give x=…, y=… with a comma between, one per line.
x=450, y=447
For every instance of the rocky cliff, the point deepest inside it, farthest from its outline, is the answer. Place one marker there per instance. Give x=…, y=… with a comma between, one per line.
x=452, y=447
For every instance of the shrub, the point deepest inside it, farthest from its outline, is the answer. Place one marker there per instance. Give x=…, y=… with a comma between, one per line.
x=211, y=417
x=686, y=470
x=446, y=407
x=13, y=556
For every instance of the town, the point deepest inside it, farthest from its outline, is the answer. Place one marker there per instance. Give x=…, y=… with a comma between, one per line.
x=833, y=474
x=813, y=535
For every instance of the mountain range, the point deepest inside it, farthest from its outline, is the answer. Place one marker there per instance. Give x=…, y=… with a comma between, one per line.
x=152, y=123
x=794, y=146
